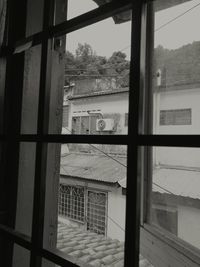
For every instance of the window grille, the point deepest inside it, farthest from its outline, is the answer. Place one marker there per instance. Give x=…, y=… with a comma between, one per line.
x=96, y=212
x=71, y=202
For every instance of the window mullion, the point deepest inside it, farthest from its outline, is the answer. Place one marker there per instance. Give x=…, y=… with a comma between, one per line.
x=42, y=128
x=133, y=181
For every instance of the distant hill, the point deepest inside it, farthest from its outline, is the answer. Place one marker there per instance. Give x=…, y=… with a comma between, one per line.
x=179, y=66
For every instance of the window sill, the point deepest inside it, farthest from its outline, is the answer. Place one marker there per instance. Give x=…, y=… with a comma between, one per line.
x=163, y=250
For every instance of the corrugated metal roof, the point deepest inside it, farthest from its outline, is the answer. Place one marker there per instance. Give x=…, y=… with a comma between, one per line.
x=100, y=93
x=179, y=182
x=89, y=249
x=93, y=167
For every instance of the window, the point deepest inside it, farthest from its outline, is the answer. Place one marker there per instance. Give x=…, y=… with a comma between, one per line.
x=96, y=212
x=31, y=96
x=176, y=117
x=72, y=203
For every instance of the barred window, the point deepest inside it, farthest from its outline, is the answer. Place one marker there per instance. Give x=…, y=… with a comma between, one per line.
x=176, y=117
x=71, y=202
x=96, y=212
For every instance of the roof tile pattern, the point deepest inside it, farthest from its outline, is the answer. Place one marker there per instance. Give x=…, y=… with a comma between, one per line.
x=90, y=249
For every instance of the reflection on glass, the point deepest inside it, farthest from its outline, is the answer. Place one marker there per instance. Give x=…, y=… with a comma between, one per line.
x=97, y=79
x=176, y=193
x=176, y=68
x=91, y=203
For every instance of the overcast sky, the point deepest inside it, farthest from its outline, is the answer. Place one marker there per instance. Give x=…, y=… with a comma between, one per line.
x=105, y=37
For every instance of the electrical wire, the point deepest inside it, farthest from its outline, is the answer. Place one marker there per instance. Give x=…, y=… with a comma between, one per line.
x=182, y=14
x=167, y=23
x=107, y=155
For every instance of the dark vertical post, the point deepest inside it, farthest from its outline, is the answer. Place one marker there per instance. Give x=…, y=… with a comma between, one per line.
x=12, y=117
x=133, y=182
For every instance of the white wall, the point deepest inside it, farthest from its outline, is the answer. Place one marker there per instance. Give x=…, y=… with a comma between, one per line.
x=189, y=225
x=116, y=212
x=108, y=104
x=182, y=99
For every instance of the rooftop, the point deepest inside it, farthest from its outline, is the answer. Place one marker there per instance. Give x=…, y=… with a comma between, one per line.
x=89, y=249
x=177, y=181
x=91, y=166
x=100, y=93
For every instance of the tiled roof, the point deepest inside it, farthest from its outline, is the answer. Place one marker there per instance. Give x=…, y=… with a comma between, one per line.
x=93, y=167
x=179, y=182
x=90, y=249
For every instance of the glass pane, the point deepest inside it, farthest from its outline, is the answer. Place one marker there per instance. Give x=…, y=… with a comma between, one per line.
x=24, y=209
x=96, y=86
x=31, y=90
x=175, y=192
x=16, y=191
x=21, y=257
x=34, y=9
x=78, y=7
x=176, y=68
x=89, y=204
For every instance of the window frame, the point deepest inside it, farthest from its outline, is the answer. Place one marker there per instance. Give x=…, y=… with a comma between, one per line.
x=160, y=247
x=139, y=139
x=18, y=45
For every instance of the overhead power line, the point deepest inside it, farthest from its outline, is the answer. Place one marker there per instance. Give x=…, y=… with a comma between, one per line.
x=182, y=14
x=107, y=155
x=168, y=22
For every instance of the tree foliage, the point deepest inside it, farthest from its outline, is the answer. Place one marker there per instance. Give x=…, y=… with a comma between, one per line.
x=86, y=63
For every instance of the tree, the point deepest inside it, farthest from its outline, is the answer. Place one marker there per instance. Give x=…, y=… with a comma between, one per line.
x=86, y=62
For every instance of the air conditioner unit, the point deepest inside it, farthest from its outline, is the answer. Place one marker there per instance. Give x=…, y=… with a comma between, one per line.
x=105, y=125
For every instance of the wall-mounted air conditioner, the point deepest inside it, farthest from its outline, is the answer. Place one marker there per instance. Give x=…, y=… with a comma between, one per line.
x=104, y=125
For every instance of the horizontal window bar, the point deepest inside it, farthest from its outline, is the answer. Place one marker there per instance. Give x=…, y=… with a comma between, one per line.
x=53, y=138
x=140, y=140
x=56, y=257
x=15, y=236
x=169, y=140
x=91, y=17
x=74, y=24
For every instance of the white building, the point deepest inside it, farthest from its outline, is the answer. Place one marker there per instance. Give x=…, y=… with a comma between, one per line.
x=90, y=191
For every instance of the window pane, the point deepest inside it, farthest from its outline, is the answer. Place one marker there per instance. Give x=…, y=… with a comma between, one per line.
x=34, y=9
x=89, y=204
x=96, y=86
x=176, y=68
x=17, y=194
x=78, y=7
x=31, y=86
x=25, y=190
x=175, y=192
x=21, y=257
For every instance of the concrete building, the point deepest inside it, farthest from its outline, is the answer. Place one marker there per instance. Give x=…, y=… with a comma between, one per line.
x=90, y=191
